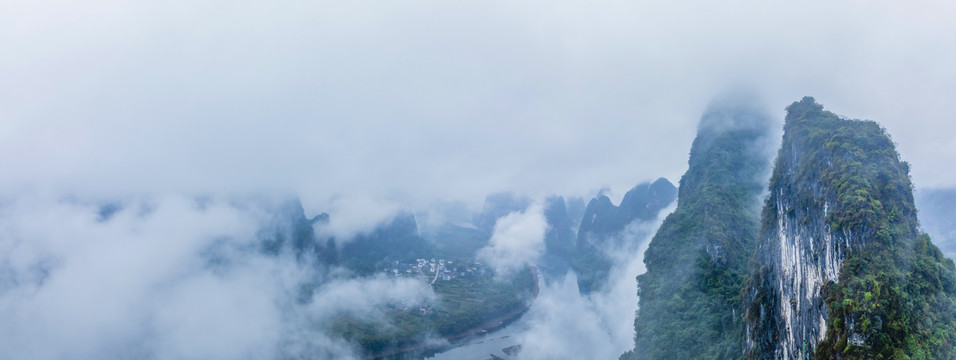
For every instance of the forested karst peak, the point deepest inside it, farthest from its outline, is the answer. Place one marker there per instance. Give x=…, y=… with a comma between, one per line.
x=696, y=263
x=842, y=268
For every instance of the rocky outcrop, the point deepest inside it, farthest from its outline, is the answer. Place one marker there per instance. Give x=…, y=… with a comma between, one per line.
x=843, y=271
x=801, y=254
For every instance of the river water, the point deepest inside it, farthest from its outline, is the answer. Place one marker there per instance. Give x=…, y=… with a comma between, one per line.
x=482, y=347
x=492, y=343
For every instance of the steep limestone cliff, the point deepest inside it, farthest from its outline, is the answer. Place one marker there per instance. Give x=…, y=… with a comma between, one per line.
x=842, y=268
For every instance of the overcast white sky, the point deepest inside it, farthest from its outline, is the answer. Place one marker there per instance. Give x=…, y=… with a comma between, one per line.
x=417, y=100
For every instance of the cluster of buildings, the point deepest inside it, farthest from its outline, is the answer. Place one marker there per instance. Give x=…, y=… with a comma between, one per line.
x=434, y=269
x=431, y=270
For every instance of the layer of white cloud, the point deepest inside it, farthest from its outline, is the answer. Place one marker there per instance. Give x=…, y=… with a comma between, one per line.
x=517, y=241
x=354, y=215
x=565, y=324
x=169, y=278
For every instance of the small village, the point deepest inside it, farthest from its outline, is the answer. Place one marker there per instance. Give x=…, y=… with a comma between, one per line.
x=434, y=270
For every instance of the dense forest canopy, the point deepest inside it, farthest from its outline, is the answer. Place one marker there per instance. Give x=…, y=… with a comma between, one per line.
x=697, y=261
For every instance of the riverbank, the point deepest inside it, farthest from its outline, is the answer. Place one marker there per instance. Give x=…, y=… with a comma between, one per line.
x=489, y=326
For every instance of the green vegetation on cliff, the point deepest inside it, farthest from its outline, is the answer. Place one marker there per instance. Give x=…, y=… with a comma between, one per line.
x=895, y=295
x=697, y=262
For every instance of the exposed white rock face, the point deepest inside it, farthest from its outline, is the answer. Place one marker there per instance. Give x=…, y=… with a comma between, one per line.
x=809, y=255
x=800, y=253
x=839, y=209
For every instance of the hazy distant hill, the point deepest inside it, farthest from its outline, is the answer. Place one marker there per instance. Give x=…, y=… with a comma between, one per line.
x=287, y=229
x=397, y=239
x=937, y=215
x=582, y=239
